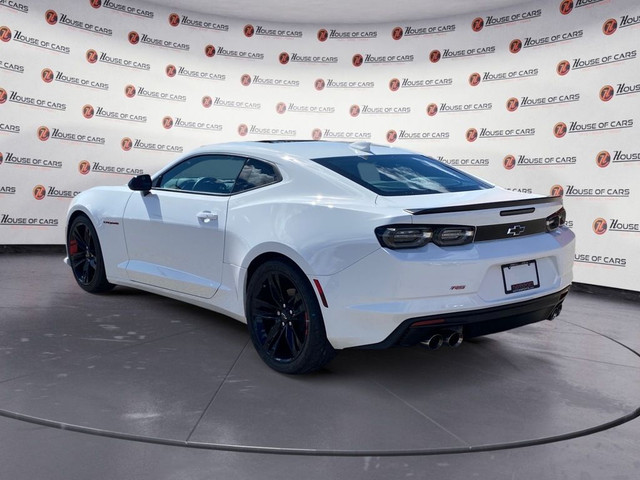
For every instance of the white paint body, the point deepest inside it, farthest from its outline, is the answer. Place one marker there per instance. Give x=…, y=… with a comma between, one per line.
x=324, y=223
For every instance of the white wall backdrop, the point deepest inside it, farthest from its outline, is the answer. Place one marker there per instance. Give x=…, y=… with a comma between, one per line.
x=543, y=98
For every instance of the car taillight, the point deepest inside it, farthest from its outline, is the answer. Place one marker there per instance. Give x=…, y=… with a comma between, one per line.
x=556, y=220
x=414, y=236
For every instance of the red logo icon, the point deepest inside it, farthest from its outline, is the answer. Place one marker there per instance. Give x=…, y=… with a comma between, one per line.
x=319, y=84
x=171, y=71
x=357, y=60
x=471, y=135
x=566, y=6
x=134, y=38
x=95, y=3
x=434, y=56
x=396, y=33
x=509, y=162
x=515, y=46
x=557, y=191
x=323, y=35
x=474, y=79
x=432, y=109
x=512, y=104
x=245, y=80
x=3, y=96
x=392, y=136
x=126, y=144
x=316, y=134
x=599, y=226
x=563, y=68
x=91, y=56
x=249, y=30
x=174, y=19
x=610, y=26
x=394, y=84
x=5, y=34
x=207, y=101
x=354, y=110
x=167, y=122
x=84, y=167
x=281, y=107
x=39, y=192
x=283, y=58
x=560, y=129
x=43, y=134
x=606, y=93
x=243, y=129
x=88, y=111
x=209, y=51
x=47, y=75
x=130, y=91
x=603, y=159
x=477, y=24
x=51, y=17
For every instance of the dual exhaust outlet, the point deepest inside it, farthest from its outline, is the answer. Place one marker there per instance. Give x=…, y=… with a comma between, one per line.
x=450, y=338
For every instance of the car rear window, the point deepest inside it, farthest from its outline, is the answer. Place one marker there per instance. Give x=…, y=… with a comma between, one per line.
x=391, y=175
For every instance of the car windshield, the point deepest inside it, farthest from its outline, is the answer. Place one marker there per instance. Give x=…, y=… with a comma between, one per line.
x=402, y=174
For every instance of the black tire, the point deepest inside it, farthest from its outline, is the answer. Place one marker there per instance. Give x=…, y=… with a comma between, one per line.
x=85, y=256
x=285, y=320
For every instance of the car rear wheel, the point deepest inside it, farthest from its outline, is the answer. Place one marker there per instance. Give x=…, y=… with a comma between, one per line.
x=285, y=320
x=85, y=256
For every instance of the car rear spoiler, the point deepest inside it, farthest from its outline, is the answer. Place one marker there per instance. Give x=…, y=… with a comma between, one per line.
x=489, y=206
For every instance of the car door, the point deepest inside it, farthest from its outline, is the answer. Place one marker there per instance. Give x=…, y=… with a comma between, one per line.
x=175, y=233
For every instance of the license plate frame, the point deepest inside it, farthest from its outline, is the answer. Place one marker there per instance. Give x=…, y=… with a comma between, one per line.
x=520, y=276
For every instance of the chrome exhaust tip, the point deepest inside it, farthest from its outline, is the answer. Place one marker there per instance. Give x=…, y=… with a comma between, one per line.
x=556, y=312
x=453, y=339
x=434, y=342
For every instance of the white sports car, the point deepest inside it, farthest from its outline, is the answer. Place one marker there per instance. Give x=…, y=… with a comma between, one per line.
x=320, y=246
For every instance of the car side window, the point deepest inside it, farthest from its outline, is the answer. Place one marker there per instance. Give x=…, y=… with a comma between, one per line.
x=256, y=174
x=203, y=174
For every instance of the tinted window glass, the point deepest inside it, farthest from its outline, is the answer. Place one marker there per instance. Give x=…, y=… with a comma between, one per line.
x=256, y=174
x=402, y=174
x=203, y=174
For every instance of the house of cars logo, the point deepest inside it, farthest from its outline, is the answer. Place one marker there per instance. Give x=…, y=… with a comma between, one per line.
x=207, y=101
x=84, y=167
x=603, y=159
x=434, y=56
x=471, y=135
x=316, y=134
x=43, y=133
x=174, y=19
x=599, y=226
x=319, y=84
x=477, y=24
x=126, y=144
x=394, y=84
x=563, y=68
x=245, y=80
x=39, y=192
x=283, y=58
x=597, y=192
x=557, y=191
x=91, y=56
x=599, y=259
x=566, y=7
x=474, y=79
x=88, y=111
x=243, y=129
x=5, y=34
x=130, y=91
x=606, y=93
x=515, y=46
x=170, y=70
x=13, y=159
x=396, y=33
x=354, y=110
x=210, y=50
x=51, y=17
x=392, y=136
x=248, y=30
x=167, y=122
x=281, y=107
x=512, y=104
x=357, y=60
x=322, y=35
x=134, y=37
x=509, y=162
x=560, y=129
x=122, y=8
x=610, y=26
x=432, y=109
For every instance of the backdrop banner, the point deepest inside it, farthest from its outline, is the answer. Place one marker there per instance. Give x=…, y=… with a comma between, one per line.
x=542, y=97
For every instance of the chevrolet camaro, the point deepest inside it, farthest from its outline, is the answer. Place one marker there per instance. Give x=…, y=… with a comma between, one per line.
x=319, y=246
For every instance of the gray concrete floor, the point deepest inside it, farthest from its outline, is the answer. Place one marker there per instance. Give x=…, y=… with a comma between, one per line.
x=129, y=385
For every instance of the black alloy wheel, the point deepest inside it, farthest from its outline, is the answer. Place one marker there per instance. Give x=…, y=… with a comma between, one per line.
x=85, y=256
x=285, y=320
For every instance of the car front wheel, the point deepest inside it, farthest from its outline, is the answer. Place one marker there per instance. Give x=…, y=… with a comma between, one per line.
x=85, y=256
x=285, y=320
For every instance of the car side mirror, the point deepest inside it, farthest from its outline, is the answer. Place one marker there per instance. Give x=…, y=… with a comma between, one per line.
x=141, y=183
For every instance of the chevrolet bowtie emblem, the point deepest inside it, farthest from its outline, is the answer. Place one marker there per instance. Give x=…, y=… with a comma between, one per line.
x=516, y=230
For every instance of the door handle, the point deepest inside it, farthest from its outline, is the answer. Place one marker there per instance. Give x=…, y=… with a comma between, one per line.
x=207, y=216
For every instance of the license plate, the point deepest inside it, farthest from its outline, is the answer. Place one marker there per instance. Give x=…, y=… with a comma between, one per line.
x=520, y=276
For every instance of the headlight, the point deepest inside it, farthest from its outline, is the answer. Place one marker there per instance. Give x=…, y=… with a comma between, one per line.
x=556, y=220
x=416, y=236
